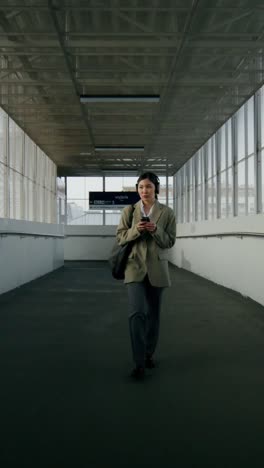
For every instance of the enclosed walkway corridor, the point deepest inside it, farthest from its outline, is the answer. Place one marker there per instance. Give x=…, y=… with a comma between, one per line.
x=67, y=398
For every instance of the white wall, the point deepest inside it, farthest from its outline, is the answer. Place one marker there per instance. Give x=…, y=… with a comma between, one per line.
x=88, y=242
x=233, y=262
x=24, y=258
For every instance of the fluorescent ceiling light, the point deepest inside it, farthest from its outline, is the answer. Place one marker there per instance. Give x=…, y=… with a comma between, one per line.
x=120, y=98
x=119, y=148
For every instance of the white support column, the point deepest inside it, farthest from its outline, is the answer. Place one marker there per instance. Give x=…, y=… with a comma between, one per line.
x=218, y=143
x=257, y=145
x=205, y=176
x=174, y=194
x=234, y=163
x=22, y=186
x=246, y=158
x=103, y=191
x=167, y=185
x=66, y=203
x=226, y=162
x=7, y=202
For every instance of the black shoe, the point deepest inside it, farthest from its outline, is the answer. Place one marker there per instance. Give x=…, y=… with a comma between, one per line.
x=138, y=373
x=149, y=362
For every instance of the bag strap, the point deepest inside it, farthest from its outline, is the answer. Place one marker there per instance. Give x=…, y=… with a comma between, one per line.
x=131, y=214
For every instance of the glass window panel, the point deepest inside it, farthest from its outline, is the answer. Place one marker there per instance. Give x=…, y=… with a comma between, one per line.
x=54, y=209
x=182, y=196
x=40, y=198
x=191, y=204
x=26, y=197
x=250, y=125
x=31, y=200
x=40, y=167
x=23, y=197
x=240, y=134
x=199, y=202
x=262, y=117
x=193, y=193
x=15, y=146
x=229, y=142
x=188, y=185
x=209, y=158
x=3, y=139
x=77, y=215
x=207, y=196
x=178, y=189
x=262, y=180
x=190, y=174
x=12, y=142
x=189, y=190
x=222, y=145
x=112, y=218
x=230, y=192
x=46, y=206
x=78, y=189
x=60, y=200
x=29, y=190
x=3, y=190
x=47, y=173
x=19, y=135
x=212, y=198
x=183, y=207
x=214, y=167
x=183, y=179
x=30, y=158
x=198, y=167
x=251, y=186
x=162, y=193
x=223, y=180
x=241, y=196
x=15, y=195
x=116, y=184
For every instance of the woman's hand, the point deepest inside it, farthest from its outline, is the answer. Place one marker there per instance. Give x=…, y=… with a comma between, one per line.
x=141, y=226
x=146, y=226
x=150, y=227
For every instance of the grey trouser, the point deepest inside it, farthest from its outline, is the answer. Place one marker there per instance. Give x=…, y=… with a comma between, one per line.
x=144, y=318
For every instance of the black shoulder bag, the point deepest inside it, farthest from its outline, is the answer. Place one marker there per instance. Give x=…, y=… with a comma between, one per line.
x=119, y=256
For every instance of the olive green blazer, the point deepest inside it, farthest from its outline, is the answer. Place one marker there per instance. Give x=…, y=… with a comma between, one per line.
x=149, y=253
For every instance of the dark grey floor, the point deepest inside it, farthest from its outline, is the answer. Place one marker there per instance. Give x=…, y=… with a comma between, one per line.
x=65, y=392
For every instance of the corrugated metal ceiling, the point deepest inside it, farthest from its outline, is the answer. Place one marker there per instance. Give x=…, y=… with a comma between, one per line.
x=203, y=59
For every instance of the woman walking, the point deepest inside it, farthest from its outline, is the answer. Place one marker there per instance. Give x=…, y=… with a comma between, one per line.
x=153, y=230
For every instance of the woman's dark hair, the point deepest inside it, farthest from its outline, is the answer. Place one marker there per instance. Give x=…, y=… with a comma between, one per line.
x=153, y=178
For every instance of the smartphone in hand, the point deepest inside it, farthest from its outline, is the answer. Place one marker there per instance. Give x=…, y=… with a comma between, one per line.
x=145, y=219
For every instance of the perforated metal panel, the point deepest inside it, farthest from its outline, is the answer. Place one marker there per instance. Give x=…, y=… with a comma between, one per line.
x=27, y=176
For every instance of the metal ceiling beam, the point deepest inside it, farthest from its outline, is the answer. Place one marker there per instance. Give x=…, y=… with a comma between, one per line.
x=103, y=8
x=175, y=34
x=150, y=53
x=90, y=43
x=137, y=82
x=136, y=44
x=76, y=86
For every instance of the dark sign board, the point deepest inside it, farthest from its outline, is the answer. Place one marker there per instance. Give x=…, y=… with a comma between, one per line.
x=111, y=200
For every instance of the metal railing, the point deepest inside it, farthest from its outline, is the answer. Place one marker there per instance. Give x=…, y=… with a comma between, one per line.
x=28, y=234
x=223, y=234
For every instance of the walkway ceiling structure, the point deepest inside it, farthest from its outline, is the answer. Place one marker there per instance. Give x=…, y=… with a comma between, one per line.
x=203, y=58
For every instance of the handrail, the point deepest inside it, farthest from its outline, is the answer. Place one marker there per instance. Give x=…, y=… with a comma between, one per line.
x=90, y=235
x=29, y=234
x=224, y=234
x=220, y=234
x=32, y=234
